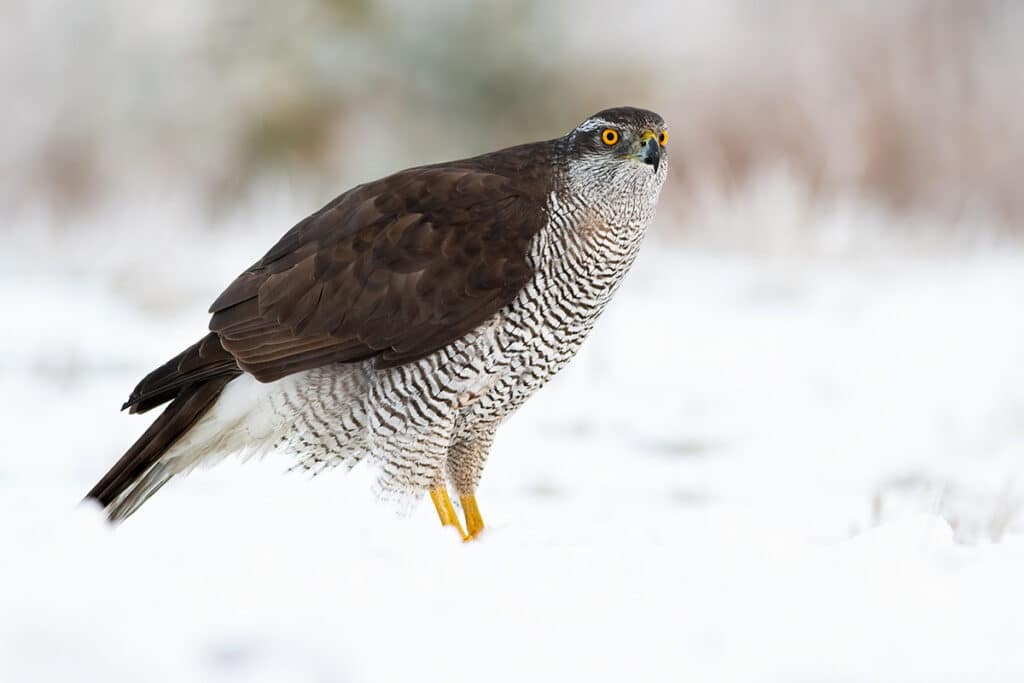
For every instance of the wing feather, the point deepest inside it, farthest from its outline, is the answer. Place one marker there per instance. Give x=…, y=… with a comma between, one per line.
x=391, y=270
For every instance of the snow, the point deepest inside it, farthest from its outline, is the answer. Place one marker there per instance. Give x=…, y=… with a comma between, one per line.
x=763, y=466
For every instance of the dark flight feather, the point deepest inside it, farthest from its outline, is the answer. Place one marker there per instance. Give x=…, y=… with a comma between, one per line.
x=191, y=403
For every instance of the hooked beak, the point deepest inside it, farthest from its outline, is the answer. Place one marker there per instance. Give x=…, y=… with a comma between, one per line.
x=650, y=150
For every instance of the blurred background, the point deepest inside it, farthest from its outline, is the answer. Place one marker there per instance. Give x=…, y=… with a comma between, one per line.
x=910, y=107
x=822, y=339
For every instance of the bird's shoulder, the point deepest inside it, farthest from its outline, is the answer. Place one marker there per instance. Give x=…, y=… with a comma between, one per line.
x=392, y=269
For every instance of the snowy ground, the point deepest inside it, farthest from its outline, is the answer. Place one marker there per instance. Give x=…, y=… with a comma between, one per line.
x=761, y=468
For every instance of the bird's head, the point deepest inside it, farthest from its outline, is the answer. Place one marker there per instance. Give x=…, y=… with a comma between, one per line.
x=619, y=153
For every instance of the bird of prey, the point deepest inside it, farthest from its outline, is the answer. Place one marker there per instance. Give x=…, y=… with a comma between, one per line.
x=403, y=321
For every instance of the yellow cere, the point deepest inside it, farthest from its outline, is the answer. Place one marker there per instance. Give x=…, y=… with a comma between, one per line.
x=662, y=137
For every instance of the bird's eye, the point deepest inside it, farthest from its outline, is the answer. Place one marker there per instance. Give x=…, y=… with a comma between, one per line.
x=662, y=138
x=610, y=136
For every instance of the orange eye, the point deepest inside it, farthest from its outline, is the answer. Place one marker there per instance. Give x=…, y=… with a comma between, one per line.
x=610, y=136
x=662, y=138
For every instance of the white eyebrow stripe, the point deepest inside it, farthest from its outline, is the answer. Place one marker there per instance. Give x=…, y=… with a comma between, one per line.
x=594, y=124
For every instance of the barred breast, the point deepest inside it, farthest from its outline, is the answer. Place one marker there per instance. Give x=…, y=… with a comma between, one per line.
x=436, y=417
x=579, y=260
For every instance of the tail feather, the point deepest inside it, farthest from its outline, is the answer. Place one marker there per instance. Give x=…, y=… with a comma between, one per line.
x=132, y=498
x=192, y=381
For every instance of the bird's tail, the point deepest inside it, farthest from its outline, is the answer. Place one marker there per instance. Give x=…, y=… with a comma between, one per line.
x=192, y=382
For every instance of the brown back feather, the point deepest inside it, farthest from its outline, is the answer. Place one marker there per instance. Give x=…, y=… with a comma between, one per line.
x=391, y=270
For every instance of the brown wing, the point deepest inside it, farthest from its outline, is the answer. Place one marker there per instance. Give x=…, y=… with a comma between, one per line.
x=391, y=270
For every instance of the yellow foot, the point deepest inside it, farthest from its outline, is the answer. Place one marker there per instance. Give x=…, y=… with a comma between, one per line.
x=446, y=511
x=474, y=522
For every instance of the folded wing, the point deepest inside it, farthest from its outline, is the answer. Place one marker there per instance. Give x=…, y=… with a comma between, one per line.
x=391, y=271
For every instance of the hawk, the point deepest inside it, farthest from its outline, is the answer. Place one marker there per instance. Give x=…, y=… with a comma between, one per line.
x=403, y=321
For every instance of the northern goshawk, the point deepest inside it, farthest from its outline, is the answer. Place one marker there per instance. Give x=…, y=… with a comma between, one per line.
x=407, y=318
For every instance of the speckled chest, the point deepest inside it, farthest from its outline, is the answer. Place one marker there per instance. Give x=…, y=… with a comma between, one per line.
x=579, y=260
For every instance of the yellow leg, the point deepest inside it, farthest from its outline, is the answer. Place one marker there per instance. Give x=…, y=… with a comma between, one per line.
x=474, y=522
x=446, y=511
